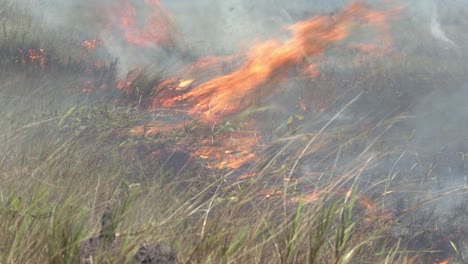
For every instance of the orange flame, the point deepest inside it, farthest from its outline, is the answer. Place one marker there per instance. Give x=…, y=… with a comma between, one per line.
x=90, y=45
x=230, y=150
x=262, y=65
x=363, y=201
x=311, y=197
x=158, y=29
x=272, y=60
x=144, y=131
x=36, y=55
x=184, y=84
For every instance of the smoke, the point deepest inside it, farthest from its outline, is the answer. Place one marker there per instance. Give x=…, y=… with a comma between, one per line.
x=436, y=28
x=426, y=13
x=225, y=27
x=205, y=27
x=212, y=27
x=441, y=121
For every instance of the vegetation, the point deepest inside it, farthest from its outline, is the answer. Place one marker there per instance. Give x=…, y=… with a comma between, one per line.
x=69, y=149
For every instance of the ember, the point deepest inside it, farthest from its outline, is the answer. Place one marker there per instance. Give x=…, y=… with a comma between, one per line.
x=34, y=56
x=90, y=45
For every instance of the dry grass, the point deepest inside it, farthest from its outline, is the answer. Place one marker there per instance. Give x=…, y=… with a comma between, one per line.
x=313, y=197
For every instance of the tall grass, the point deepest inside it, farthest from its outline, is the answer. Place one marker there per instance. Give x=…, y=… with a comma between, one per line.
x=66, y=158
x=61, y=171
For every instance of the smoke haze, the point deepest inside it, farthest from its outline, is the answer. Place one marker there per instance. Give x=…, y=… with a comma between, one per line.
x=212, y=28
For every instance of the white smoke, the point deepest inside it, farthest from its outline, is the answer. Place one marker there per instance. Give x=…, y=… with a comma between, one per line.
x=436, y=29
x=211, y=27
x=426, y=13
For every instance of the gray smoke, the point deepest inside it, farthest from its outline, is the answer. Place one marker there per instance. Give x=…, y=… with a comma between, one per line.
x=441, y=121
x=426, y=12
x=207, y=27
x=214, y=27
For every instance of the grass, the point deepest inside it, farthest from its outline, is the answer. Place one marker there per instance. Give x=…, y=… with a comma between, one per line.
x=67, y=156
x=61, y=172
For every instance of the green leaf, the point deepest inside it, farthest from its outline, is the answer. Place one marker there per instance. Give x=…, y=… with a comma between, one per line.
x=67, y=114
x=299, y=117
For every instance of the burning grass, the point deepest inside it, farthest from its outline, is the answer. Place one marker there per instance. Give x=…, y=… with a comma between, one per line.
x=61, y=174
x=267, y=63
x=270, y=184
x=65, y=183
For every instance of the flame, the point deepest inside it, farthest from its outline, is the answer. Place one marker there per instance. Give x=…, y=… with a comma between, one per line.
x=35, y=56
x=146, y=131
x=307, y=198
x=253, y=73
x=157, y=29
x=168, y=91
x=121, y=85
x=215, y=64
x=270, y=193
x=184, y=84
x=90, y=45
x=272, y=59
x=363, y=201
x=367, y=203
x=231, y=150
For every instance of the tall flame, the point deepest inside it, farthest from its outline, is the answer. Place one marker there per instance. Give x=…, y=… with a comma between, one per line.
x=255, y=73
x=272, y=60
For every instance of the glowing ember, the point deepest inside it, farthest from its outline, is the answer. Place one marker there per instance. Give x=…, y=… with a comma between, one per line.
x=157, y=27
x=35, y=56
x=272, y=60
x=123, y=84
x=230, y=150
x=362, y=201
x=145, y=131
x=307, y=198
x=184, y=84
x=90, y=45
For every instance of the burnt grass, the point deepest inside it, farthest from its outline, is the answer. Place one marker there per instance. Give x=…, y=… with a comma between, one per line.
x=423, y=204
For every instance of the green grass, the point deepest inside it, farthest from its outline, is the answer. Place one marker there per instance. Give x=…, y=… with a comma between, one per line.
x=66, y=156
x=59, y=173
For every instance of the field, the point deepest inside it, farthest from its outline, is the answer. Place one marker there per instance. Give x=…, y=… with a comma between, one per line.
x=360, y=160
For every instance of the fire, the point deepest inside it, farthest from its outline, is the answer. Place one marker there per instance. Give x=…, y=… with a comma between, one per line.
x=90, y=45
x=254, y=74
x=184, y=84
x=145, y=131
x=210, y=65
x=228, y=150
x=157, y=28
x=311, y=197
x=123, y=84
x=272, y=60
x=363, y=201
x=33, y=56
